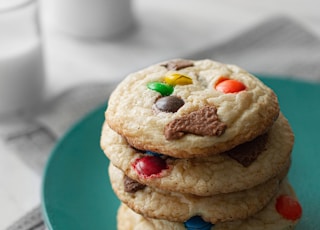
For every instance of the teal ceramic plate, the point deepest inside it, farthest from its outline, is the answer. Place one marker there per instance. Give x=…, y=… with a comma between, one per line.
x=76, y=191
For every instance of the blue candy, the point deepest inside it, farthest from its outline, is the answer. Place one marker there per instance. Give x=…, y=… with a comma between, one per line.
x=197, y=223
x=153, y=154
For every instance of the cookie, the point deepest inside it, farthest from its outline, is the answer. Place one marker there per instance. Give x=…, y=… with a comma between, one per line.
x=269, y=218
x=186, y=109
x=264, y=158
x=173, y=206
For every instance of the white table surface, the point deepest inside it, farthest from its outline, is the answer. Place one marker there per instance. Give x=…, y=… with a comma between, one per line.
x=71, y=61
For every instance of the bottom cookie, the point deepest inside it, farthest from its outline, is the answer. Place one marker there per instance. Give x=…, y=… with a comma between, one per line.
x=282, y=213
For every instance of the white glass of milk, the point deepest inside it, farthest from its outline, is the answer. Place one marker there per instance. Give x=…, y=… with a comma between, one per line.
x=21, y=62
x=89, y=19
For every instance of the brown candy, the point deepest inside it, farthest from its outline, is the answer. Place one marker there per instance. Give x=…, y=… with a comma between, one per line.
x=132, y=186
x=169, y=104
x=178, y=64
x=248, y=152
x=203, y=122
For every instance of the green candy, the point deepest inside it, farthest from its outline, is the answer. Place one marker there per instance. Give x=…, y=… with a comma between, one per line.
x=162, y=88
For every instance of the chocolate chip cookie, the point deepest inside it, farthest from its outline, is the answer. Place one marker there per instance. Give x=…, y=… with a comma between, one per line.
x=186, y=108
x=242, y=167
x=179, y=207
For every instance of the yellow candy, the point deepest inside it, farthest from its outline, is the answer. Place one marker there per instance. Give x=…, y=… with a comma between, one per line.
x=177, y=79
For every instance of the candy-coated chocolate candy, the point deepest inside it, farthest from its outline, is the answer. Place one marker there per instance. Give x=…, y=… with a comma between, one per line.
x=169, y=104
x=221, y=79
x=288, y=207
x=230, y=86
x=177, y=79
x=153, y=154
x=149, y=165
x=162, y=88
x=197, y=223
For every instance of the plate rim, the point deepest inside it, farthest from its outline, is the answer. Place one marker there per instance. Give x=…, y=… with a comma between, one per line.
x=53, y=153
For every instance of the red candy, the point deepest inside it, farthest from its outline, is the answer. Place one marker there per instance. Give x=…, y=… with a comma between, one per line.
x=229, y=86
x=288, y=207
x=149, y=165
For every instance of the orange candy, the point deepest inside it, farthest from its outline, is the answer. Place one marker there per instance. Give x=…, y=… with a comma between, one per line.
x=226, y=85
x=288, y=207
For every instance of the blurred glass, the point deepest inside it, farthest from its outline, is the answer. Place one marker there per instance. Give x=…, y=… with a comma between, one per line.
x=21, y=62
x=97, y=19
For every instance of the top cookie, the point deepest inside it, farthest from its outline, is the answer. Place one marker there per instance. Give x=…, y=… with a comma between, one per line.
x=184, y=108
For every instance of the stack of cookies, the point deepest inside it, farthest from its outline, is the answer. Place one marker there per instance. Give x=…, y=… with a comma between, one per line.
x=199, y=145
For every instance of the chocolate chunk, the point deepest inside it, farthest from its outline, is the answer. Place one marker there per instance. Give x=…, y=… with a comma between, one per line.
x=203, y=122
x=132, y=186
x=248, y=152
x=169, y=104
x=178, y=64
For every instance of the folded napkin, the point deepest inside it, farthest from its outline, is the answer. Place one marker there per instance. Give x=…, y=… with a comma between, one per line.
x=279, y=46
x=32, y=139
